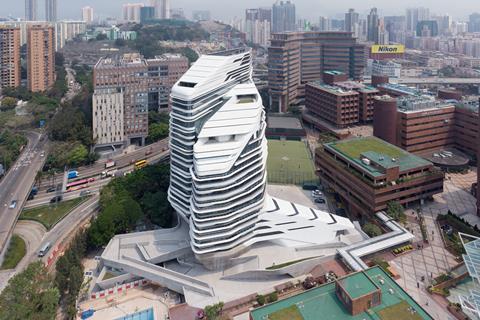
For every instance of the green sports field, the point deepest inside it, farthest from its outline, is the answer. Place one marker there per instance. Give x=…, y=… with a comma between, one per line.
x=289, y=162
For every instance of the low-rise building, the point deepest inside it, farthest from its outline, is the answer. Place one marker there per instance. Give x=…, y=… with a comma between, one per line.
x=368, y=294
x=384, y=68
x=368, y=173
x=423, y=124
x=341, y=103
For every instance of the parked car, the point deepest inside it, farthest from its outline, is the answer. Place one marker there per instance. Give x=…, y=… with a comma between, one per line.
x=319, y=200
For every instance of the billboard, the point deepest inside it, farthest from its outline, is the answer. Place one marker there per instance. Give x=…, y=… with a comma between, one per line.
x=391, y=48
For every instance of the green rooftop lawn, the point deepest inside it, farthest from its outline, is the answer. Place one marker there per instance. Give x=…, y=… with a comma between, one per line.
x=290, y=313
x=398, y=311
x=50, y=214
x=354, y=148
x=323, y=303
x=289, y=162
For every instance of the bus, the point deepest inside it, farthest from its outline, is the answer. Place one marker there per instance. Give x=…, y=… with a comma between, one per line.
x=79, y=184
x=140, y=164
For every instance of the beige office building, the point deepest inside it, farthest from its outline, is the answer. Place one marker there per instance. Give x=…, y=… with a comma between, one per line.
x=10, y=74
x=108, y=117
x=40, y=57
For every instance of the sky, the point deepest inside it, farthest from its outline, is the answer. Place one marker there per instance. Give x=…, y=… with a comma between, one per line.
x=227, y=9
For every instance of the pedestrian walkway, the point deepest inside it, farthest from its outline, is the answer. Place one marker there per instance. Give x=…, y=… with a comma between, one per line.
x=434, y=259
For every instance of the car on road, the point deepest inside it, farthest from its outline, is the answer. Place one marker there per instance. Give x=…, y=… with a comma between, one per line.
x=51, y=189
x=317, y=193
x=85, y=193
x=13, y=204
x=319, y=200
x=42, y=154
x=44, y=249
x=56, y=199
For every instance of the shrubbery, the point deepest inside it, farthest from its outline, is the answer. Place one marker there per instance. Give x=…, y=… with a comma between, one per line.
x=402, y=249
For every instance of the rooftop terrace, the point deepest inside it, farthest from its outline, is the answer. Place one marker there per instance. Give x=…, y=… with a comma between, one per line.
x=381, y=154
x=395, y=302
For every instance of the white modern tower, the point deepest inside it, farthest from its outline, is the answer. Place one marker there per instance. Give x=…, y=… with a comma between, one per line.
x=218, y=156
x=218, y=152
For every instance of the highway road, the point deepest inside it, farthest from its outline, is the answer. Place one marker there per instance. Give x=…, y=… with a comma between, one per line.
x=15, y=186
x=67, y=225
x=158, y=151
x=36, y=236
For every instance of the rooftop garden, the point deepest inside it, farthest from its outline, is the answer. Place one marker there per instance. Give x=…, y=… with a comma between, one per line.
x=354, y=148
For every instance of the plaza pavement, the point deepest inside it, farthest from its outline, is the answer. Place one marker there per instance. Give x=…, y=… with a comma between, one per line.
x=434, y=259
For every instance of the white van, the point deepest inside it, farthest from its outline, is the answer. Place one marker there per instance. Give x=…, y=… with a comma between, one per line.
x=44, y=249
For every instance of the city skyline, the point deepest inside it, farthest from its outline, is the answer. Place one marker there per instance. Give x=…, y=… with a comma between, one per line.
x=305, y=8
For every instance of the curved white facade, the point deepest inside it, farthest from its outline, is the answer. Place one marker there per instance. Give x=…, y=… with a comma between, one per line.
x=218, y=152
x=218, y=166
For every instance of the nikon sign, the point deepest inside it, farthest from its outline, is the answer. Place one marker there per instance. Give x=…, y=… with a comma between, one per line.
x=397, y=48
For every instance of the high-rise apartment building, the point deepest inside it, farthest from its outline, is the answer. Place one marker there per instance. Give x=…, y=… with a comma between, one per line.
x=373, y=26
x=51, y=10
x=147, y=14
x=414, y=15
x=296, y=58
x=131, y=12
x=64, y=30
x=87, y=14
x=162, y=8
x=351, y=22
x=427, y=28
x=324, y=24
x=31, y=10
x=395, y=26
x=9, y=57
x=40, y=57
x=144, y=84
x=283, y=16
x=258, y=25
x=474, y=22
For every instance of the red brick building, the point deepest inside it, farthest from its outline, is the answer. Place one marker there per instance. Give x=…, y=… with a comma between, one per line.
x=368, y=173
x=421, y=125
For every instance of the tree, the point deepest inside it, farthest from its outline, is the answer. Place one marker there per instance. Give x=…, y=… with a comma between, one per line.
x=213, y=311
x=157, y=131
x=157, y=208
x=101, y=36
x=30, y=295
x=77, y=155
x=395, y=210
x=8, y=103
x=372, y=230
x=261, y=299
x=272, y=297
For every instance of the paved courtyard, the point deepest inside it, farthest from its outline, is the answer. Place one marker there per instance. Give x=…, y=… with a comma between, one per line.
x=433, y=259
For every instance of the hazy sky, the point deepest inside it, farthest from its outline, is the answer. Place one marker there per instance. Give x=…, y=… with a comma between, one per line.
x=226, y=9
